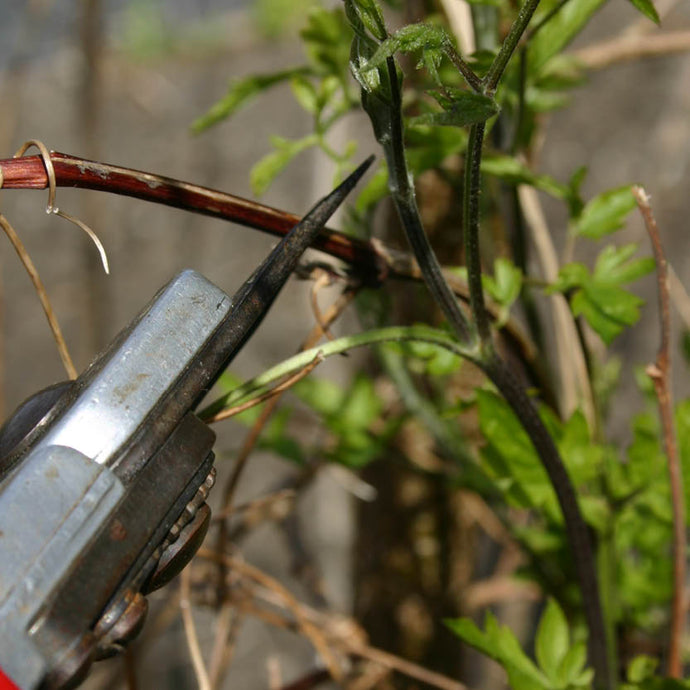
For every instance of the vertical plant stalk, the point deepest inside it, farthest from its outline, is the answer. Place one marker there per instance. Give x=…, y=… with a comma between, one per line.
x=510, y=43
x=476, y=335
x=472, y=189
x=514, y=392
x=660, y=373
x=402, y=191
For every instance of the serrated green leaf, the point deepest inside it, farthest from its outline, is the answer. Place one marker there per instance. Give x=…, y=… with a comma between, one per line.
x=614, y=265
x=572, y=670
x=265, y=171
x=647, y=8
x=240, y=92
x=552, y=642
x=569, y=276
x=607, y=308
x=605, y=214
x=410, y=38
x=465, y=109
x=499, y=643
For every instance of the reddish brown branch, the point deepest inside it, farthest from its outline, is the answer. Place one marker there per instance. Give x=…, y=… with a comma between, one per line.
x=660, y=373
x=29, y=173
x=370, y=260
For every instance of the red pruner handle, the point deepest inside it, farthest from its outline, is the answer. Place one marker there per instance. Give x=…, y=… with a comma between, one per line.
x=6, y=683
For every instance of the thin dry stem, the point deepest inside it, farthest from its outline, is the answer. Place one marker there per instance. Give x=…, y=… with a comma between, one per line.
x=575, y=384
x=227, y=627
x=42, y=296
x=263, y=505
x=190, y=631
x=323, y=279
x=660, y=373
x=633, y=47
x=338, y=635
x=310, y=631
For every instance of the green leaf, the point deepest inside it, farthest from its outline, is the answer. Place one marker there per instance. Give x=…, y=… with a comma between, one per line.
x=605, y=213
x=499, y=643
x=647, y=8
x=305, y=93
x=560, y=30
x=369, y=14
x=516, y=172
x=552, y=642
x=641, y=667
x=265, y=171
x=608, y=309
x=240, y=92
x=464, y=108
x=572, y=670
x=327, y=39
x=410, y=38
x=506, y=283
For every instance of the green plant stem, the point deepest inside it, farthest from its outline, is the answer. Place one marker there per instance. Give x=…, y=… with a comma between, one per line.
x=334, y=347
x=467, y=72
x=402, y=191
x=493, y=76
x=514, y=392
x=575, y=526
x=472, y=190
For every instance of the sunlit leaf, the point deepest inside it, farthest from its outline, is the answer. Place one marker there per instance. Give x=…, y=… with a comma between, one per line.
x=499, y=642
x=240, y=92
x=647, y=8
x=605, y=214
x=553, y=640
x=464, y=108
x=562, y=28
x=265, y=171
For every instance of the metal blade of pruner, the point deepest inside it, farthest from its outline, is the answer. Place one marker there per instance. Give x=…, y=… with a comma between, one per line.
x=103, y=480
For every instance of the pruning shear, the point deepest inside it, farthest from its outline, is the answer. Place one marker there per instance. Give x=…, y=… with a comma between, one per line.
x=103, y=480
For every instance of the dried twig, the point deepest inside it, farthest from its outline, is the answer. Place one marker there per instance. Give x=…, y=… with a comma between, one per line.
x=660, y=373
x=227, y=626
x=575, y=384
x=632, y=47
x=276, y=503
x=190, y=631
x=42, y=296
x=310, y=631
x=340, y=636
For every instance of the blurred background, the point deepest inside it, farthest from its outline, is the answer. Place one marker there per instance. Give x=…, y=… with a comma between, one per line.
x=121, y=82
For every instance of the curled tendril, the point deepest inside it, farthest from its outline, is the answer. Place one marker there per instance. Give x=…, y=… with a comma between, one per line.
x=51, y=207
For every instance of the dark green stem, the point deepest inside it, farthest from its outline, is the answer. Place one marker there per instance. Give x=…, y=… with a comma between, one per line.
x=471, y=233
x=493, y=76
x=575, y=526
x=467, y=72
x=403, y=195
